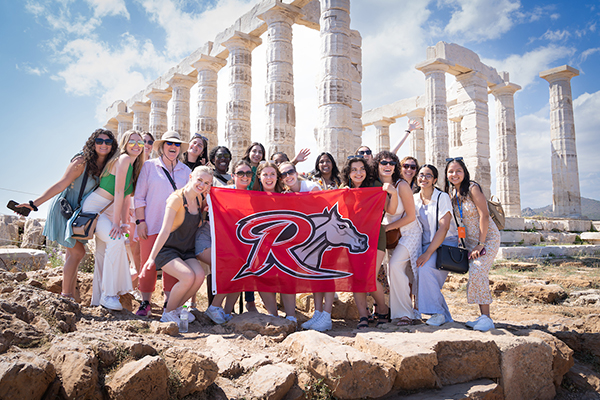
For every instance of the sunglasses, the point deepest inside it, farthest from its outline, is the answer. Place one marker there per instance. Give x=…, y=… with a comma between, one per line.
x=173, y=144
x=149, y=142
x=385, y=162
x=356, y=156
x=453, y=159
x=133, y=143
x=288, y=172
x=100, y=141
x=222, y=155
x=410, y=166
x=197, y=135
x=241, y=174
x=365, y=152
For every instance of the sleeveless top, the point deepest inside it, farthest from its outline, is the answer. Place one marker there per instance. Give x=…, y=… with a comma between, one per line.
x=108, y=182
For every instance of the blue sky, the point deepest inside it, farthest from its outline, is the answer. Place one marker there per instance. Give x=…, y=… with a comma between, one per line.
x=64, y=61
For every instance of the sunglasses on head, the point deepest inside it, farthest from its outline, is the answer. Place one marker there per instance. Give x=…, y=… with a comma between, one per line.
x=173, y=144
x=410, y=166
x=356, y=156
x=385, y=162
x=100, y=141
x=288, y=172
x=197, y=135
x=149, y=142
x=241, y=174
x=365, y=152
x=453, y=159
x=136, y=142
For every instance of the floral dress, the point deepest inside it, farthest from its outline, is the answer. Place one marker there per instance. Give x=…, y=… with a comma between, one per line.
x=478, y=287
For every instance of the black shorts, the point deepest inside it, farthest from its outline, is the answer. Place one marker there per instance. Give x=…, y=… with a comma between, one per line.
x=168, y=254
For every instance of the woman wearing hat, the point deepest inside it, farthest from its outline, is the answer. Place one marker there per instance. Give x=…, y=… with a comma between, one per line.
x=158, y=179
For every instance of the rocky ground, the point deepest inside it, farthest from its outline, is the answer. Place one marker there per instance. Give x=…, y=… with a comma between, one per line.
x=546, y=345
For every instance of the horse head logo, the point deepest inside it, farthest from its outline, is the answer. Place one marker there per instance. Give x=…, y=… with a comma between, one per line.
x=295, y=243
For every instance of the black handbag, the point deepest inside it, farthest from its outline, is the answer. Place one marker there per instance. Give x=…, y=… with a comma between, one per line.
x=451, y=258
x=66, y=209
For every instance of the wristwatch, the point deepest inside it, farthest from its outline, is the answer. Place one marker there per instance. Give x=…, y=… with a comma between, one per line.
x=139, y=221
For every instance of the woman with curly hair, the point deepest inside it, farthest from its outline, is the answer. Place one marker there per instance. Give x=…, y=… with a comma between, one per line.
x=98, y=149
x=255, y=153
x=220, y=158
x=326, y=172
x=110, y=200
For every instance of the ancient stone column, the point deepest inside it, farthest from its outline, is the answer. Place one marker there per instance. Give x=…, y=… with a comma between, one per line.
x=356, y=75
x=335, y=86
x=417, y=138
x=454, y=139
x=158, y=111
x=436, y=114
x=279, y=90
x=566, y=197
x=125, y=123
x=141, y=116
x=206, y=119
x=507, y=159
x=113, y=126
x=237, y=125
x=382, y=135
x=472, y=98
x=179, y=120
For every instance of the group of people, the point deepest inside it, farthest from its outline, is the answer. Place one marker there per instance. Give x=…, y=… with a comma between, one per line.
x=152, y=194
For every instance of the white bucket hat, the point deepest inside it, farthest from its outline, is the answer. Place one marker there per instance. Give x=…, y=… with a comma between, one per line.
x=171, y=137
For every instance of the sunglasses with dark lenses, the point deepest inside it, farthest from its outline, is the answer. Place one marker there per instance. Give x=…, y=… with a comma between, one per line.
x=222, y=155
x=149, y=142
x=289, y=172
x=173, y=144
x=100, y=141
x=385, y=162
x=410, y=166
x=355, y=156
x=241, y=174
x=453, y=159
x=197, y=135
x=365, y=152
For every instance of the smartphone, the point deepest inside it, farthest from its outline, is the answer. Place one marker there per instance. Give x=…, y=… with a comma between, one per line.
x=24, y=211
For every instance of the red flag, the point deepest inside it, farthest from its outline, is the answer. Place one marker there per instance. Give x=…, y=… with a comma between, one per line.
x=295, y=243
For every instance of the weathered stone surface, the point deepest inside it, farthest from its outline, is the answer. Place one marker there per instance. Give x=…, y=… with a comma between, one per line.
x=544, y=293
x=520, y=238
x=32, y=236
x=584, y=378
x=165, y=328
x=143, y=379
x=263, y=324
x=24, y=259
x=9, y=231
x=24, y=375
x=506, y=253
x=481, y=389
x=77, y=367
x=590, y=237
x=272, y=382
x=196, y=371
x=348, y=372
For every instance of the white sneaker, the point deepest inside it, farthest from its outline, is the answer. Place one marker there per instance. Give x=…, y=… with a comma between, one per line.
x=111, y=302
x=171, y=316
x=311, y=321
x=216, y=314
x=471, y=324
x=191, y=317
x=323, y=323
x=436, y=320
x=416, y=314
x=484, y=324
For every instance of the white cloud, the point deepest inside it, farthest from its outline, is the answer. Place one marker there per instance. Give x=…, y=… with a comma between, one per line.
x=62, y=17
x=31, y=70
x=556, y=35
x=479, y=20
x=104, y=8
x=585, y=54
x=587, y=131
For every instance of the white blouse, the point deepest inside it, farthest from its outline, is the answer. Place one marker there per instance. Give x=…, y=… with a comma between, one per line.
x=445, y=207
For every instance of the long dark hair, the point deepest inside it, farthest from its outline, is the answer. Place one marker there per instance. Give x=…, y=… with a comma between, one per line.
x=345, y=175
x=434, y=171
x=246, y=155
x=335, y=172
x=465, y=185
x=202, y=158
x=91, y=157
x=396, y=175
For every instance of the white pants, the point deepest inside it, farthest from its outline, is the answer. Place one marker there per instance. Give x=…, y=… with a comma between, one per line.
x=400, y=301
x=111, y=268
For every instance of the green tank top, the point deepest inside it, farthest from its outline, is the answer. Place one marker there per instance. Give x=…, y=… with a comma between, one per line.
x=108, y=182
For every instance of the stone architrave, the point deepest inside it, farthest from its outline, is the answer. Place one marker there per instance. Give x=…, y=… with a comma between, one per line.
x=356, y=75
x=237, y=126
x=206, y=119
x=141, y=116
x=335, y=86
x=417, y=138
x=472, y=99
x=507, y=159
x=179, y=120
x=279, y=90
x=436, y=114
x=159, y=100
x=125, y=123
x=566, y=195
x=382, y=135
x=112, y=125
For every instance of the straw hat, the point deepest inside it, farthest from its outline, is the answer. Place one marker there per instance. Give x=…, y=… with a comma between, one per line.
x=173, y=137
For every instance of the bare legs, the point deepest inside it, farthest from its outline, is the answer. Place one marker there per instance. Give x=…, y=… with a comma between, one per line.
x=485, y=309
x=324, y=306
x=270, y=301
x=190, y=276
x=73, y=257
x=361, y=298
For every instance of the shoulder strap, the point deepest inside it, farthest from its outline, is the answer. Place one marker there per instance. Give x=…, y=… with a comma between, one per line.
x=221, y=178
x=83, y=183
x=437, y=220
x=170, y=179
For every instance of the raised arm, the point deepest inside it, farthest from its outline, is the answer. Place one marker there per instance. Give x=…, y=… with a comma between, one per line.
x=412, y=125
x=301, y=156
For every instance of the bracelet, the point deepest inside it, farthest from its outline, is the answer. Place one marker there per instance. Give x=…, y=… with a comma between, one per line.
x=480, y=243
x=407, y=131
x=139, y=221
x=33, y=205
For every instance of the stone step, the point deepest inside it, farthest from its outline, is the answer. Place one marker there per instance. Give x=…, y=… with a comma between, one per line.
x=591, y=237
x=531, y=238
x=507, y=253
x=22, y=259
x=563, y=225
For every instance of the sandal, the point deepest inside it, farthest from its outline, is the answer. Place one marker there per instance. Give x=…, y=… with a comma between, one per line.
x=370, y=316
x=383, y=318
x=404, y=321
x=363, y=323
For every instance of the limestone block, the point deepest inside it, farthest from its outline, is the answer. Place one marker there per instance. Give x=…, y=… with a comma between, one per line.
x=533, y=224
x=9, y=230
x=583, y=377
x=548, y=294
x=32, y=236
x=24, y=375
x=596, y=225
x=24, y=259
x=164, y=328
x=196, y=371
x=348, y=372
x=272, y=382
x=227, y=357
x=514, y=224
x=481, y=389
x=569, y=225
x=590, y=237
x=77, y=367
x=262, y=323
x=506, y=253
x=143, y=379
x=519, y=237
x=558, y=237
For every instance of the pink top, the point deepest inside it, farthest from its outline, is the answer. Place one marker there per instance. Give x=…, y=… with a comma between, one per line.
x=153, y=188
